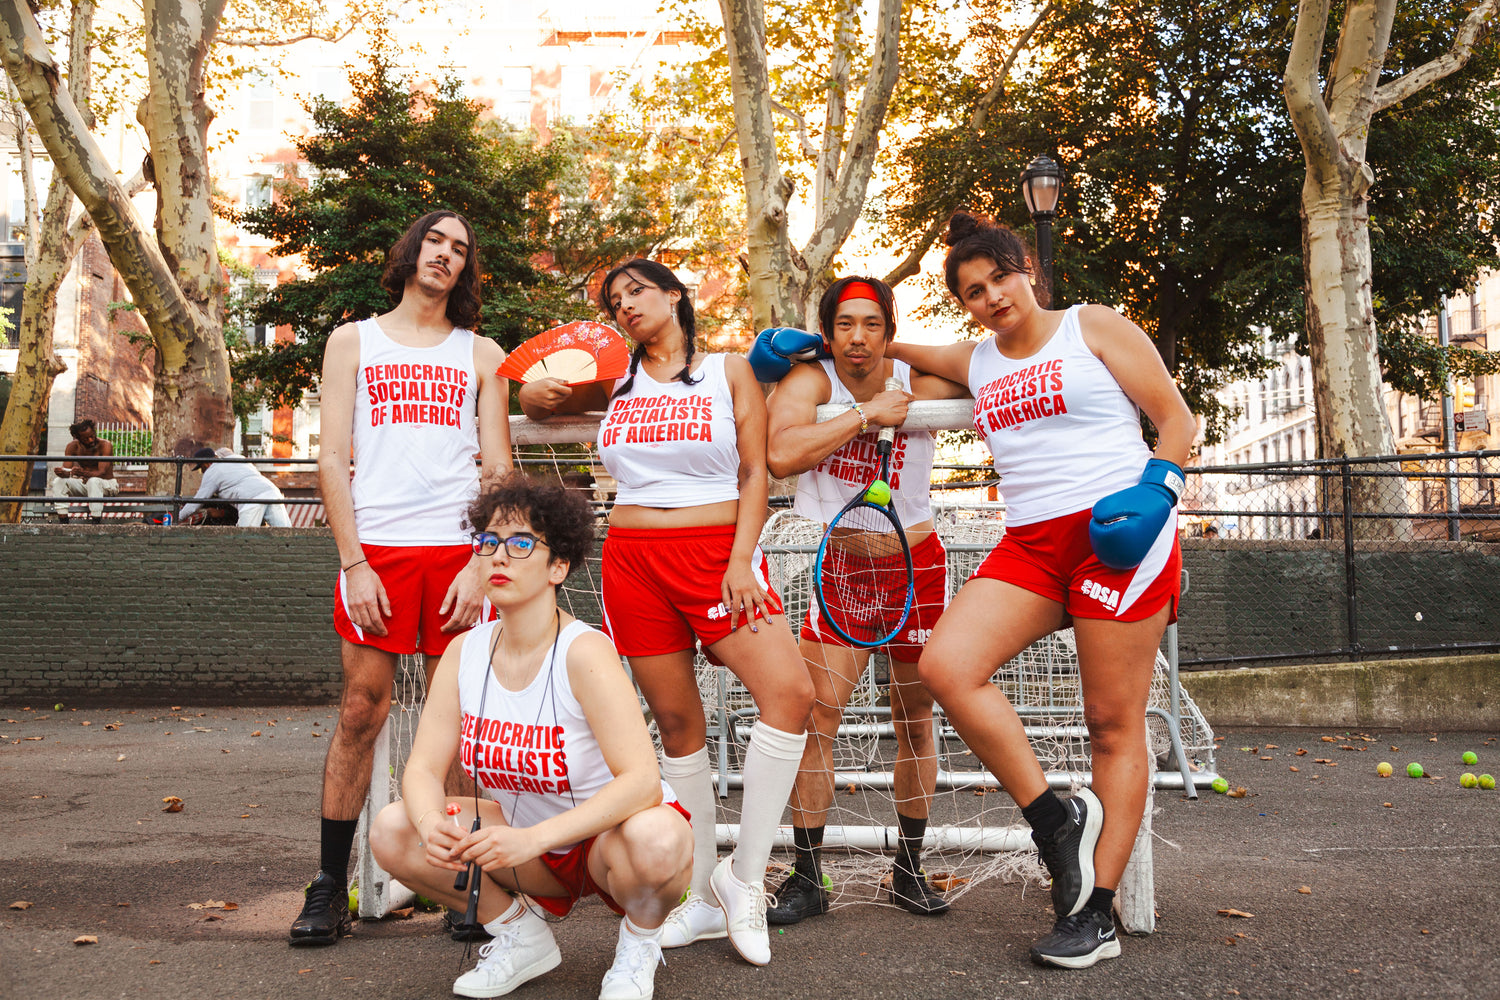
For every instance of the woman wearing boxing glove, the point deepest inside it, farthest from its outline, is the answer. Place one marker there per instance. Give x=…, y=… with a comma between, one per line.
x=684, y=436
x=1091, y=535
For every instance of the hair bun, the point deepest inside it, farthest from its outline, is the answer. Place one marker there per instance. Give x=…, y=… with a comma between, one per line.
x=961, y=226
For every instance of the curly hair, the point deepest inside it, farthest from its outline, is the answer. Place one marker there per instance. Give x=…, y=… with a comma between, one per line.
x=560, y=517
x=649, y=272
x=401, y=263
x=971, y=235
x=828, y=305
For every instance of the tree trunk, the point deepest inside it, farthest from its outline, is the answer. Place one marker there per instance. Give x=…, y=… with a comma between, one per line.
x=190, y=402
x=36, y=366
x=49, y=256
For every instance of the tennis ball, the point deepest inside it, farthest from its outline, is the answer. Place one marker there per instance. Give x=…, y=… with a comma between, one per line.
x=1486, y=781
x=1470, y=757
x=1220, y=785
x=1467, y=780
x=827, y=882
x=58, y=707
x=879, y=493
x=354, y=896
x=1413, y=770
x=1384, y=769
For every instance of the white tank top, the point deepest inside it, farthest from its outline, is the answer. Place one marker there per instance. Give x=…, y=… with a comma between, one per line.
x=1062, y=431
x=825, y=488
x=415, y=439
x=536, y=754
x=668, y=444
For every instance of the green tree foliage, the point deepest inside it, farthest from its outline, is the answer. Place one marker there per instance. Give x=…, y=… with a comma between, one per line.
x=1183, y=176
x=395, y=153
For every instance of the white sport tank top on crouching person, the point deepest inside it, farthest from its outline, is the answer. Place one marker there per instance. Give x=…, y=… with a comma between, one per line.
x=823, y=490
x=1062, y=431
x=668, y=444
x=532, y=751
x=415, y=439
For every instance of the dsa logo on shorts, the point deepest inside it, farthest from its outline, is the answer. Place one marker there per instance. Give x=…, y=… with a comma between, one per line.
x=717, y=611
x=1098, y=592
x=918, y=636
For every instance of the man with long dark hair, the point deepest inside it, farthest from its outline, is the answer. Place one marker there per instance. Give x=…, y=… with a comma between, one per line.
x=411, y=395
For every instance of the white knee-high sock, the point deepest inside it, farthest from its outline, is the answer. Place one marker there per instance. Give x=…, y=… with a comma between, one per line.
x=771, y=763
x=693, y=782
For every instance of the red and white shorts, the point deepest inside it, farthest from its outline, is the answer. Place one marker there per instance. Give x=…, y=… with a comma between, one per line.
x=1053, y=558
x=571, y=868
x=662, y=588
x=416, y=579
x=929, y=562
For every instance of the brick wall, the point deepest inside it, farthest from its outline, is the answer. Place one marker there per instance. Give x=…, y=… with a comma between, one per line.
x=114, y=374
x=134, y=614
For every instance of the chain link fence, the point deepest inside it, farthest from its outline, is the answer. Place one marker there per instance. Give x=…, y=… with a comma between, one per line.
x=1341, y=558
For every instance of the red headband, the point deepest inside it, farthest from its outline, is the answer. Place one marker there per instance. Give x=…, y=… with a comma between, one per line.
x=860, y=290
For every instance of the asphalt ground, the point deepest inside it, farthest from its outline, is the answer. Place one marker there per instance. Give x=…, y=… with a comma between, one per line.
x=1352, y=885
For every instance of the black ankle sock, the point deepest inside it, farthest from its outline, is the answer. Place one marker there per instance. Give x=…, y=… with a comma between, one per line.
x=1045, y=814
x=338, y=841
x=1101, y=899
x=909, y=845
x=807, y=842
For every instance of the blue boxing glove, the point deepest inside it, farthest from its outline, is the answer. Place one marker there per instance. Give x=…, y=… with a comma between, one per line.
x=1126, y=524
x=776, y=348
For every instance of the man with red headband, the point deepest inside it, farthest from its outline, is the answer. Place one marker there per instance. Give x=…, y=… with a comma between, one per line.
x=835, y=460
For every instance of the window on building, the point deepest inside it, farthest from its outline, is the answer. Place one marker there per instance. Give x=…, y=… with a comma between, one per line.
x=260, y=109
x=575, y=93
x=1301, y=380
x=1476, y=321
x=257, y=191
x=514, y=105
x=1262, y=399
x=12, y=286
x=1302, y=443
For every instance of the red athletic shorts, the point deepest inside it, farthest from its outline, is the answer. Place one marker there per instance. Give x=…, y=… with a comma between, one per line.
x=416, y=578
x=571, y=868
x=661, y=588
x=929, y=562
x=1054, y=559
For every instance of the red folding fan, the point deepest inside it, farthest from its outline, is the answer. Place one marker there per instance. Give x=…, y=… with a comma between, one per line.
x=574, y=352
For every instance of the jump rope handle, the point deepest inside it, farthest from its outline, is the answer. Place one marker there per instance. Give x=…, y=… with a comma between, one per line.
x=887, y=434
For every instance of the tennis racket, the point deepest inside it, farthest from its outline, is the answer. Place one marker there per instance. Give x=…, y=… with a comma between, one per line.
x=863, y=575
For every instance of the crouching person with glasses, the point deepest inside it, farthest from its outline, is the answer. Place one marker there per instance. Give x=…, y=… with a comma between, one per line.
x=566, y=798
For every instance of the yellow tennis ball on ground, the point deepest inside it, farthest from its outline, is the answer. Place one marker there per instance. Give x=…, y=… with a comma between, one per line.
x=1467, y=780
x=879, y=493
x=1470, y=757
x=1414, y=770
x=1384, y=769
x=1486, y=781
x=1220, y=785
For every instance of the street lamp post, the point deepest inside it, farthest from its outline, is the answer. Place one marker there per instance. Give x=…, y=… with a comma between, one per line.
x=1041, y=186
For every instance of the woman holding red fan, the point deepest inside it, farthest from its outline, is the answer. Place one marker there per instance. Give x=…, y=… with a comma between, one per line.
x=684, y=436
x=1091, y=535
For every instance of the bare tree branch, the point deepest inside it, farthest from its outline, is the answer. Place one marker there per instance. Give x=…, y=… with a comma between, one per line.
x=309, y=36
x=808, y=149
x=981, y=114
x=1304, y=99
x=1469, y=33
x=912, y=263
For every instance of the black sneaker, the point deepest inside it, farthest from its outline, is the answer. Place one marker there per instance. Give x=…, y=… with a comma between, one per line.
x=1078, y=941
x=798, y=897
x=325, y=915
x=1069, y=853
x=914, y=895
x=453, y=922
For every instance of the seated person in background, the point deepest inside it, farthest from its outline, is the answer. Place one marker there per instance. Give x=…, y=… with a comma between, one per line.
x=85, y=476
x=238, y=481
x=548, y=727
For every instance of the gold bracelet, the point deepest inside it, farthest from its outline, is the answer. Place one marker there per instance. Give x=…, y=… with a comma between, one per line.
x=864, y=424
x=418, y=824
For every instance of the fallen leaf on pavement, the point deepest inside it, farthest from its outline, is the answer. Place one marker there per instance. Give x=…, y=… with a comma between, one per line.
x=20, y=904
x=86, y=939
x=1232, y=912
x=1305, y=890
x=1301, y=752
x=173, y=804
x=1238, y=793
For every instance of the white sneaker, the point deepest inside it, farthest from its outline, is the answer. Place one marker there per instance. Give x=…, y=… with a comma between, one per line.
x=633, y=976
x=744, y=911
x=695, y=919
x=522, y=950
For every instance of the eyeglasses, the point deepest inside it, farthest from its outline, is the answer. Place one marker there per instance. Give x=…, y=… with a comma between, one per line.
x=487, y=543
